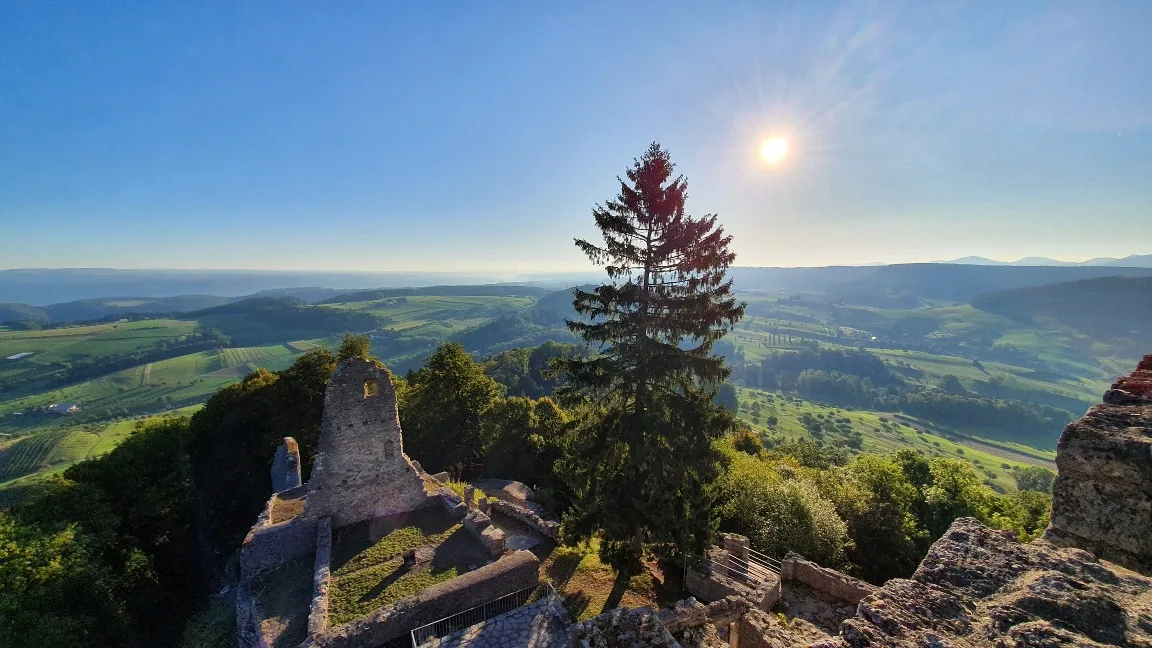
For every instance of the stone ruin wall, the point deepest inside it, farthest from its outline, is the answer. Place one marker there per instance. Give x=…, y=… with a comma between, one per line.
x=514, y=572
x=286, y=466
x=361, y=471
x=1102, y=496
x=836, y=584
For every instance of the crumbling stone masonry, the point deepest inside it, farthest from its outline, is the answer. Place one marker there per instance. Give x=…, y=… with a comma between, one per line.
x=836, y=584
x=361, y=471
x=286, y=466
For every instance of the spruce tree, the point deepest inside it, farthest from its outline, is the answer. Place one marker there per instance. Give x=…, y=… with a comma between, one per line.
x=641, y=466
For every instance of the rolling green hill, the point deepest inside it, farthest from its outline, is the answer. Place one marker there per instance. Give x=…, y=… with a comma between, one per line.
x=1023, y=354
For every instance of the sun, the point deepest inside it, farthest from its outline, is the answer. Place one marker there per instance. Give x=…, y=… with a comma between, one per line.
x=774, y=150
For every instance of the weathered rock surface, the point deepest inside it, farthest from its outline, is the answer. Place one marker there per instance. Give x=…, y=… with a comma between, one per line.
x=1102, y=498
x=759, y=629
x=286, y=466
x=361, y=471
x=980, y=587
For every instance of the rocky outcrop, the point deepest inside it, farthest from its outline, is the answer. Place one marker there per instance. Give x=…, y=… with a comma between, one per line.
x=1083, y=584
x=980, y=587
x=1133, y=389
x=1102, y=497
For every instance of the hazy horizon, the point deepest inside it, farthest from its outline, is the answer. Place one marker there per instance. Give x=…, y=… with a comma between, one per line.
x=588, y=268
x=386, y=138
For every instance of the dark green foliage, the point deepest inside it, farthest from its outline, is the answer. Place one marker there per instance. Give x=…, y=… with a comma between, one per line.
x=129, y=513
x=274, y=319
x=354, y=346
x=509, y=332
x=444, y=291
x=1034, y=478
x=233, y=438
x=440, y=411
x=528, y=372
x=780, y=369
x=875, y=515
x=522, y=440
x=52, y=593
x=726, y=397
x=641, y=464
x=748, y=442
x=951, y=385
x=1105, y=309
x=17, y=313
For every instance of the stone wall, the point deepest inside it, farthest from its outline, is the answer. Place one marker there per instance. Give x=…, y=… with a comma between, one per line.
x=480, y=526
x=267, y=545
x=514, y=572
x=321, y=579
x=716, y=581
x=829, y=581
x=1102, y=497
x=247, y=618
x=361, y=471
x=547, y=528
x=286, y=466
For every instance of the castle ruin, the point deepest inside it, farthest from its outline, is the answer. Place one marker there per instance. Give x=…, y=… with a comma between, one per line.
x=361, y=476
x=1085, y=583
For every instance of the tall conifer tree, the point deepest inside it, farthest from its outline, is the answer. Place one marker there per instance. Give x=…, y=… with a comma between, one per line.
x=641, y=466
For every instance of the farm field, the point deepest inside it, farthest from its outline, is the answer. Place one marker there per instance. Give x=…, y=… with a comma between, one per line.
x=884, y=432
x=1043, y=362
x=459, y=311
x=55, y=449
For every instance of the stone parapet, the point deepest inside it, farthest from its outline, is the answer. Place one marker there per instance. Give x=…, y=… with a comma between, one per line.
x=480, y=526
x=267, y=545
x=321, y=579
x=836, y=584
x=548, y=528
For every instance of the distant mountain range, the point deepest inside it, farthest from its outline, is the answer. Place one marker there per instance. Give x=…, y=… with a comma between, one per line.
x=1133, y=261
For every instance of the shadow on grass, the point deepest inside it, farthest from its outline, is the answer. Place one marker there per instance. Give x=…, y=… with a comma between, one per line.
x=386, y=582
x=619, y=586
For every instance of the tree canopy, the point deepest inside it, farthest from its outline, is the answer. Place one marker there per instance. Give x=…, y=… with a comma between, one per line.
x=642, y=462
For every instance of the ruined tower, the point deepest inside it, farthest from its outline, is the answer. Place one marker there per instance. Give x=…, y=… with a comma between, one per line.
x=361, y=471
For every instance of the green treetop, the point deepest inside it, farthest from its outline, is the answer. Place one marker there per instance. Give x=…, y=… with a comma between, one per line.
x=643, y=462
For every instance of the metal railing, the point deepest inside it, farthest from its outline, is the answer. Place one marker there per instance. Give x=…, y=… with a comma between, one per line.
x=768, y=562
x=757, y=570
x=481, y=613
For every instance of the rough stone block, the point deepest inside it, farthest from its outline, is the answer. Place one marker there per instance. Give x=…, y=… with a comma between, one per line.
x=1102, y=496
x=286, y=466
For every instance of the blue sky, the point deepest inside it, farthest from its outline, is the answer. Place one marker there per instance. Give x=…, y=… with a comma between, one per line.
x=477, y=136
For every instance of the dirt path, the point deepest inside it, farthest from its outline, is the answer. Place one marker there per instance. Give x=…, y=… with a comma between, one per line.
x=147, y=375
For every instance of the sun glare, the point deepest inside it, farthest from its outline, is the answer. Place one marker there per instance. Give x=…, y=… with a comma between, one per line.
x=774, y=150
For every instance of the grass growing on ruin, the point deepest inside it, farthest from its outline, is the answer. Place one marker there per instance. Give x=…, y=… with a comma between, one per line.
x=390, y=546
x=589, y=587
x=368, y=574
x=362, y=592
